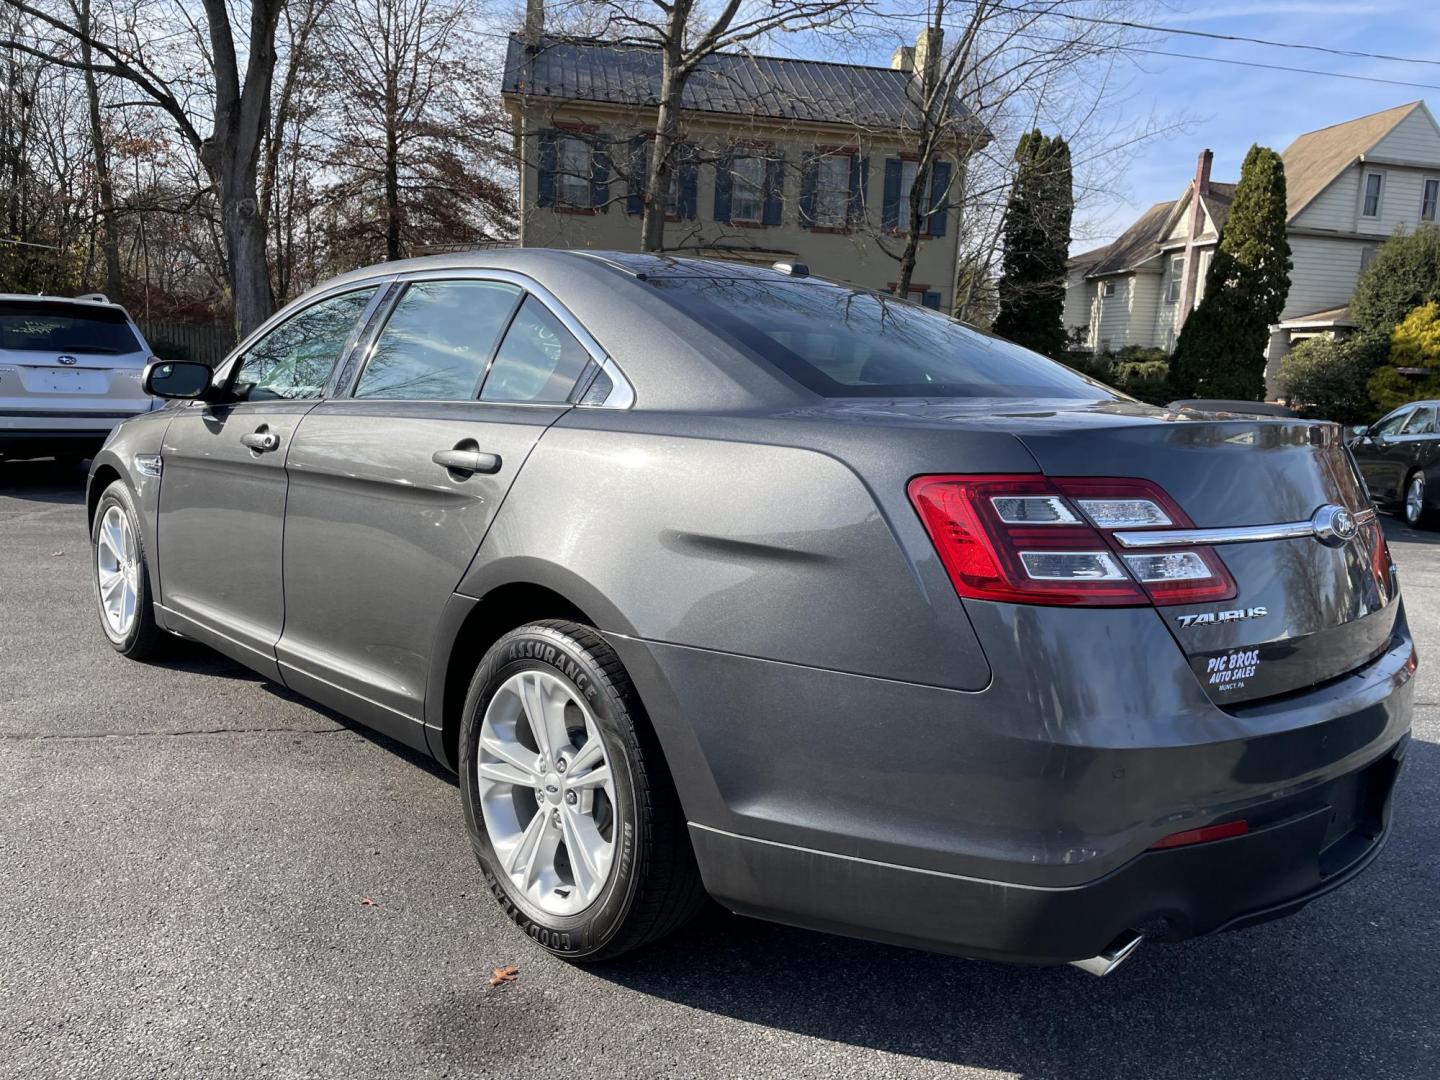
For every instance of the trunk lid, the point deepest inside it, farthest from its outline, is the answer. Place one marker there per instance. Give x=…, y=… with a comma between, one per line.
x=1305, y=612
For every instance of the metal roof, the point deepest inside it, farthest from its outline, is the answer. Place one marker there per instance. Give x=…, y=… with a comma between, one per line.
x=733, y=84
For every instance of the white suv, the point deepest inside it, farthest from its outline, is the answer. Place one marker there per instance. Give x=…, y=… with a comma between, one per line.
x=69, y=372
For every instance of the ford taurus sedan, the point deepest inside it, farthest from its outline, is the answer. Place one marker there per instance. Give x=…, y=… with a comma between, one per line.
x=716, y=579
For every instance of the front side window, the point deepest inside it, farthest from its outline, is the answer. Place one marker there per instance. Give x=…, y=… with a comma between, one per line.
x=539, y=360
x=840, y=342
x=1373, y=184
x=1429, y=198
x=293, y=361
x=832, y=190
x=47, y=327
x=1421, y=422
x=574, y=158
x=1392, y=423
x=437, y=341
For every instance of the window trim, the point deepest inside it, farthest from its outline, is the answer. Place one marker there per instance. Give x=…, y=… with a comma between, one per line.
x=1365, y=176
x=228, y=368
x=622, y=393
x=1425, y=182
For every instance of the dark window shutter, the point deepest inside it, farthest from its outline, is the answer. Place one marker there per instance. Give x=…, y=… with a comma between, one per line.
x=689, y=189
x=599, y=176
x=931, y=300
x=808, y=177
x=774, y=191
x=939, y=197
x=639, y=172
x=859, y=188
x=724, y=184
x=890, y=210
x=545, y=164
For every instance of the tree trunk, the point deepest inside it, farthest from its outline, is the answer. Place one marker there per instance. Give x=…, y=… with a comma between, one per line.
x=109, y=233
x=913, y=226
x=657, y=178
x=392, y=195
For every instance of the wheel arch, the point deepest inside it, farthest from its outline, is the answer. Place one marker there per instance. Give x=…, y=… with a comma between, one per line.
x=103, y=473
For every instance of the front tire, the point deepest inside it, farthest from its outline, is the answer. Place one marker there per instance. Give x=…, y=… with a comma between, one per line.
x=570, y=808
x=1417, y=515
x=120, y=576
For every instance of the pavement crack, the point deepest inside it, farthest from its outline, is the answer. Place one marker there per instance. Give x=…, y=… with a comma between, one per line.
x=34, y=736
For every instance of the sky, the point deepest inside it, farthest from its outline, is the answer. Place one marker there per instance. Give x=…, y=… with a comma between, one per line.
x=1226, y=108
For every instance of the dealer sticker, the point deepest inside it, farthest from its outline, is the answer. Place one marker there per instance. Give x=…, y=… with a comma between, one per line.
x=1229, y=671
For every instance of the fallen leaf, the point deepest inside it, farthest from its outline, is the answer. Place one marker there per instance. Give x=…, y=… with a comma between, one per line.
x=56, y=554
x=368, y=902
x=505, y=974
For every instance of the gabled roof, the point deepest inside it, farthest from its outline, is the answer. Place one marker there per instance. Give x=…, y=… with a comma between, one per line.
x=1136, y=244
x=1316, y=158
x=733, y=84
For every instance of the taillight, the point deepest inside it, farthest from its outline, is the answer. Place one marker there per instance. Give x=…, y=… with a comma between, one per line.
x=1203, y=835
x=1032, y=539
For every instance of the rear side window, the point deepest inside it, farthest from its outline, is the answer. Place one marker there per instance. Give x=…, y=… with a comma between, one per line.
x=437, y=341
x=539, y=360
x=37, y=326
x=839, y=342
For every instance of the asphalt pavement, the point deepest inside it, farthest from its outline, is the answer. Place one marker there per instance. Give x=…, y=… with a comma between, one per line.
x=202, y=875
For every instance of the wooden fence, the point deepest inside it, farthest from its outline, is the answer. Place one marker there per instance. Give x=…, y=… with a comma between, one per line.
x=175, y=339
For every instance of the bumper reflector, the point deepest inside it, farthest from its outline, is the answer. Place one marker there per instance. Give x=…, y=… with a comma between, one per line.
x=1204, y=835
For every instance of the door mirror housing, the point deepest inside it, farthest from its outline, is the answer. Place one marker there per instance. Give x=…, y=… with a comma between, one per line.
x=1359, y=429
x=177, y=379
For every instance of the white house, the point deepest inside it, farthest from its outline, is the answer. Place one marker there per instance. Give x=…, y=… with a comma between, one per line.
x=1349, y=187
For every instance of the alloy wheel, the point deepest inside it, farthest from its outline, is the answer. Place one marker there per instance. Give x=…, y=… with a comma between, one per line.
x=1415, y=499
x=117, y=569
x=546, y=792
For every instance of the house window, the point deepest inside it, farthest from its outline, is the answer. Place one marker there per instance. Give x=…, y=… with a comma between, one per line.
x=1174, y=278
x=1367, y=256
x=1373, y=184
x=574, y=160
x=1107, y=288
x=1430, y=195
x=747, y=191
x=832, y=190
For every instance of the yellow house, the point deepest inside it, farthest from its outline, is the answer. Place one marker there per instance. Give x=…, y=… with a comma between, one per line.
x=781, y=159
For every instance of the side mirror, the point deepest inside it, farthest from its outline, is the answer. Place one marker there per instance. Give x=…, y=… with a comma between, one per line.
x=1358, y=429
x=177, y=379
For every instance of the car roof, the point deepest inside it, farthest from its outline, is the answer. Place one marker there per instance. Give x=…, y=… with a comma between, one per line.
x=92, y=300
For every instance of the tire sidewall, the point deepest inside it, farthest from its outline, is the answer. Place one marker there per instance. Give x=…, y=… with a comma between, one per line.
x=1419, y=517
x=535, y=648
x=118, y=495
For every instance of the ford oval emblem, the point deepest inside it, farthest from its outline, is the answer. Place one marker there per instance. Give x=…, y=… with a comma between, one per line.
x=1334, y=525
x=68, y=360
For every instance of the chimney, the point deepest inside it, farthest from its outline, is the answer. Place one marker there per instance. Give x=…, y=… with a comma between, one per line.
x=1202, y=172
x=927, y=50
x=534, y=22
x=904, y=59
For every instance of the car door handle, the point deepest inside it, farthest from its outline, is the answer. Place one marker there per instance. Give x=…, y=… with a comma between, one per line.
x=467, y=462
x=262, y=441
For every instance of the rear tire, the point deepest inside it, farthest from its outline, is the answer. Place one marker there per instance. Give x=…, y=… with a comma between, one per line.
x=512, y=792
x=120, y=577
x=1417, y=515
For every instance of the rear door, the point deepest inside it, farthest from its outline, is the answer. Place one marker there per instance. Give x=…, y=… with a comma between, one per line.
x=394, y=484
x=222, y=497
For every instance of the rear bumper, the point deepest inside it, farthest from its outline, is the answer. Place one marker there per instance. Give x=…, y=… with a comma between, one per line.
x=1311, y=848
x=1017, y=822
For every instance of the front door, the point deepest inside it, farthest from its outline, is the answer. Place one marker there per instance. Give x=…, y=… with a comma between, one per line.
x=1378, y=453
x=222, y=496
x=394, y=486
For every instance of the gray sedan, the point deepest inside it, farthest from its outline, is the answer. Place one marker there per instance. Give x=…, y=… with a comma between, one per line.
x=714, y=579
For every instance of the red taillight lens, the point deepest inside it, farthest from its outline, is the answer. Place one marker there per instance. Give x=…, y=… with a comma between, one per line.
x=1203, y=836
x=1035, y=540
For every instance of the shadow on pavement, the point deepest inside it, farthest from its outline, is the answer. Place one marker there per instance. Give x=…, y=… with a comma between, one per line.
x=1333, y=990
x=1396, y=531
x=44, y=480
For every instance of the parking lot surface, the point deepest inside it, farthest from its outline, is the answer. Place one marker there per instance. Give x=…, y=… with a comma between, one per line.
x=201, y=875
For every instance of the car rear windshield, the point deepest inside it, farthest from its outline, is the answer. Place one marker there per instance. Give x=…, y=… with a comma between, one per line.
x=841, y=342
x=37, y=326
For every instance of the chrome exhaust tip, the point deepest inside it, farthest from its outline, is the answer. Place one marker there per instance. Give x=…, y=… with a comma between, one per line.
x=1112, y=956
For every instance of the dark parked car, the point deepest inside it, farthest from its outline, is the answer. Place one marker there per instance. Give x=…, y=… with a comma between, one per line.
x=1399, y=456
x=711, y=578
